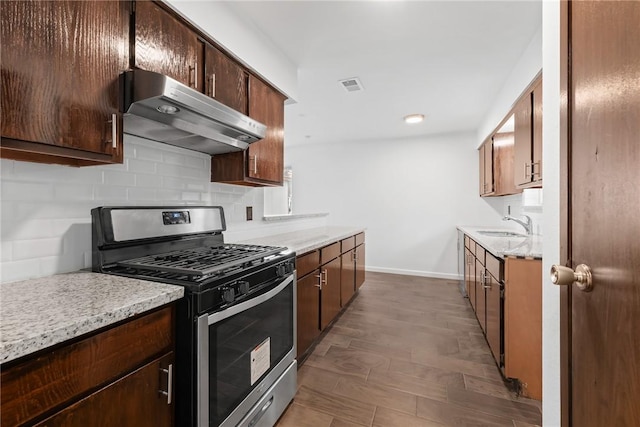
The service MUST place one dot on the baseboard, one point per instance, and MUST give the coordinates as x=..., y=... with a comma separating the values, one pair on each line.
x=420, y=273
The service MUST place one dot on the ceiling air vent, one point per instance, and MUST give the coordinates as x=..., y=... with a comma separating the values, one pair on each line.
x=351, y=85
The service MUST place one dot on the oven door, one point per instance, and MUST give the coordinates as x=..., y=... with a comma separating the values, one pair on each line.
x=242, y=351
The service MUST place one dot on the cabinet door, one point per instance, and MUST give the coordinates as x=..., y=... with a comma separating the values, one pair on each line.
x=480, y=296
x=266, y=157
x=360, y=271
x=486, y=167
x=523, y=133
x=537, y=133
x=494, y=315
x=469, y=276
x=347, y=277
x=225, y=80
x=167, y=46
x=503, y=144
x=134, y=400
x=330, y=293
x=60, y=66
x=308, y=299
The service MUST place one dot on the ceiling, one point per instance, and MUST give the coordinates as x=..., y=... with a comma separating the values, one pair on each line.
x=444, y=59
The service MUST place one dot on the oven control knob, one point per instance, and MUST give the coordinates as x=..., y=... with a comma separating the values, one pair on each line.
x=228, y=294
x=243, y=287
x=281, y=270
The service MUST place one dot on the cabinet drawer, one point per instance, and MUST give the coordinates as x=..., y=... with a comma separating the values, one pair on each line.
x=495, y=267
x=479, y=252
x=308, y=262
x=359, y=239
x=39, y=384
x=329, y=252
x=348, y=244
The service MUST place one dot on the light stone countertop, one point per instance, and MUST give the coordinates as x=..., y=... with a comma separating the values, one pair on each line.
x=288, y=217
x=306, y=240
x=38, y=313
x=521, y=246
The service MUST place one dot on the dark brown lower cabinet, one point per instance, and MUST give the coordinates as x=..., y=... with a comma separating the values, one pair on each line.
x=348, y=277
x=469, y=276
x=360, y=273
x=308, y=312
x=133, y=400
x=110, y=378
x=493, y=328
x=481, y=306
x=330, y=292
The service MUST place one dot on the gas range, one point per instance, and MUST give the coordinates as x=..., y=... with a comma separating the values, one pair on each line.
x=236, y=325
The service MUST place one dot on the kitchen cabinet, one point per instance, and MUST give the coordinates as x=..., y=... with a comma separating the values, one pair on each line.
x=327, y=279
x=486, y=167
x=224, y=79
x=528, y=138
x=60, y=80
x=359, y=256
x=484, y=280
x=348, y=270
x=523, y=324
x=119, y=376
x=308, y=309
x=165, y=45
x=503, y=147
x=262, y=164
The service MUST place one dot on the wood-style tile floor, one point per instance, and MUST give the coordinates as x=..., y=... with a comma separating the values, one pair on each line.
x=407, y=352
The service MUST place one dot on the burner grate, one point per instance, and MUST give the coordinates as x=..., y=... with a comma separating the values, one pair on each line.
x=204, y=261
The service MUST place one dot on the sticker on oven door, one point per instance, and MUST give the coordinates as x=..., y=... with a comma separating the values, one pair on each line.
x=260, y=360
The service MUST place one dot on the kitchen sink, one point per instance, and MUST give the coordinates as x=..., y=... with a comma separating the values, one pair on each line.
x=493, y=233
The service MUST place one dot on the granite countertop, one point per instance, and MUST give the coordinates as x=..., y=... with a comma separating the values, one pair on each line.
x=306, y=240
x=38, y=313
x=520, y=246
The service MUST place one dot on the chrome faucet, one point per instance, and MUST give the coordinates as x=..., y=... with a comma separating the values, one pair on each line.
x=527, y=225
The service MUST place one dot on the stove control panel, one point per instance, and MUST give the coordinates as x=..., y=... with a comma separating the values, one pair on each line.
x=176, y=217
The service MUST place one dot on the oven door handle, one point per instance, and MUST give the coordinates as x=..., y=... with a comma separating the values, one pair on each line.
x=239, y=308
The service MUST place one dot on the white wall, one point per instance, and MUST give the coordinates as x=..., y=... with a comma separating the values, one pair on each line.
x=45, y=222
x=245, y=41
x=523, y=73
x=409, y=194
x=551, y=249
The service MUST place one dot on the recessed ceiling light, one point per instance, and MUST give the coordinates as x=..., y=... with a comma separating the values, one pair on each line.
x=414, y=118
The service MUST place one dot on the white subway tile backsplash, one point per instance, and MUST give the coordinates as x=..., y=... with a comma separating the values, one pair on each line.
x=26, y=229
x=105, y=192
x=141, y=166
x=115, y=177
x=6, y=251
x=197, y=162
x=141, y=194
x=6, y=167
x=174, y=158
x=153, y=181
x=12, y=191
x=73, y=192
x=37, y=248
x=20, y=270
x=190, y=196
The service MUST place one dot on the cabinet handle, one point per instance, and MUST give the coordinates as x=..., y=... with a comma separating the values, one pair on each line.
x=194, y=69
x=486, y=281
x=324, y=272
x=319, y=285
x=212, y=85
x=169, y=392
x=533, y=172
x=255, y=164
x=114, y=130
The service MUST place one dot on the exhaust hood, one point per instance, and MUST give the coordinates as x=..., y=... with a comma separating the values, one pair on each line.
x=159, y=108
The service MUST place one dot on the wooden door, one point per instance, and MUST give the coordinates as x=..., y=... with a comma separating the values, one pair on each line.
x=523, y=122
x=330, y=293
x=266, y=157
x=167, y=46
x=604, y=220
x=225, y=80
x=347, y=277
x=60, y=66
x=308, y=319
x=480, y=297
x=134, y=400
x=360, y=270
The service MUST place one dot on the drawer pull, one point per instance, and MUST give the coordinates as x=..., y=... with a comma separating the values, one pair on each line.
x=169, y=392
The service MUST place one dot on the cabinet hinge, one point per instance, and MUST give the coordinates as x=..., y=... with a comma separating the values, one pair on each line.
x=502, y=293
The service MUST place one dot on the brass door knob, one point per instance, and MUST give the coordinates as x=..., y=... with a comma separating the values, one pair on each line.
x=564, y=276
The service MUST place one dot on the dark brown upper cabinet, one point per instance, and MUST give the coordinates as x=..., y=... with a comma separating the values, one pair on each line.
x=60, y=66
x=262, y=164
x=165, y=45
x=528, y=138
x=485, y=167
x=225, y=80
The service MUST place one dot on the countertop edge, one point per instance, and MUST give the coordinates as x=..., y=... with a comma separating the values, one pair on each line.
x=13, y=350
x=530, y=247
x=288, y=217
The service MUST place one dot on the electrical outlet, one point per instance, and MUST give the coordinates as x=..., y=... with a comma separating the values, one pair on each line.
x=249, y=213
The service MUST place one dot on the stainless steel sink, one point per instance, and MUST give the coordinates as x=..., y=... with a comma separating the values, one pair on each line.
x=493, y=233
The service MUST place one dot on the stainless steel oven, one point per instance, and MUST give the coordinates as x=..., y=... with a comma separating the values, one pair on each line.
x=246, y=355
x=235, y=328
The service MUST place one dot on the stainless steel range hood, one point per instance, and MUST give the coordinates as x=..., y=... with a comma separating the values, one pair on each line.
x=159, y=108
